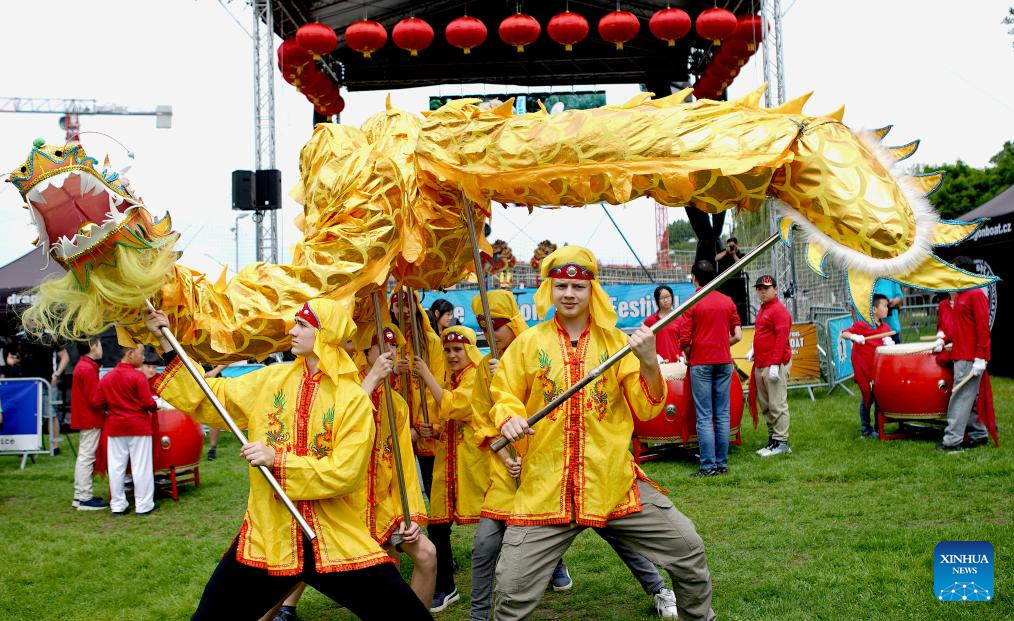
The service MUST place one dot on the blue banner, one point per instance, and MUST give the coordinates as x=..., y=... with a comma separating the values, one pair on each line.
x=840, y=348
x=633, y=303
x=22, y=415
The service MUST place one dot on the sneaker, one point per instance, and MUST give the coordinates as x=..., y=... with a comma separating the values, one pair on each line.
x=561, y=578
x=286, y=613
x=442, y=600
x=148, y=512
x=765, y=450
x=121, y=513
x=975, y=443
x=957, y=448
x=703, y=473
x=56, y=451
x=871, y=435
x=721, y=470
x=212, y=456
x=782, y=448
x=665, y=604
x=92, y=504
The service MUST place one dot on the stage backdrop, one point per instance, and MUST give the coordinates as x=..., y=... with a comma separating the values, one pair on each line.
x=805, y=369
x=633, y=303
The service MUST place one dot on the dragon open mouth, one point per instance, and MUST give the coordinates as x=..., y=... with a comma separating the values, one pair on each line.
x=71, y=208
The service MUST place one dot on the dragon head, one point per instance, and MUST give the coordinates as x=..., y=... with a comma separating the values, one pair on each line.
x=82, y=214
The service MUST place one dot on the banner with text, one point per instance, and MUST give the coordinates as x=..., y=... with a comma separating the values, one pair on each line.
x=805, y=356
x=21, y=402
x=633, y=303
x=840, y=349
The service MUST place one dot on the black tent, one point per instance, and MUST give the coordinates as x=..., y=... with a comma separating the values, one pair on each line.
x=16, y=279
x=990, y=248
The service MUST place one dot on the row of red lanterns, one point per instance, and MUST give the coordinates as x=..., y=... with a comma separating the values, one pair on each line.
x=726, y=63
x=568, y=29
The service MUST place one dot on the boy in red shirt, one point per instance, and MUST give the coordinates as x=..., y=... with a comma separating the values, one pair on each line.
x=865, y=343
x=772, y=358
x=970, y=345
x=709, y=328
x=87, y=414
x=128, y=428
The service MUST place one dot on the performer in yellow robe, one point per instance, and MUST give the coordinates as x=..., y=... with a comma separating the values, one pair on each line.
x=310, y=422
x=460, y=476
x=578, y=470
x=507, y=324
x=427, y=444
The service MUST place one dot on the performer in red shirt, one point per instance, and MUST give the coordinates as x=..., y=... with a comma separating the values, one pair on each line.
x=772, y=358
x=709, y=328
x=970, y=350
x=667, y=339
x=128, y=427
x=865, y=343
x=87, y=413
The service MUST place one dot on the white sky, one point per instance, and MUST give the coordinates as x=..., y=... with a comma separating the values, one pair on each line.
x=939, y=71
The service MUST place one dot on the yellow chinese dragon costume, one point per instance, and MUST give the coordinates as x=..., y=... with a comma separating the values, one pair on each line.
x=389, y=200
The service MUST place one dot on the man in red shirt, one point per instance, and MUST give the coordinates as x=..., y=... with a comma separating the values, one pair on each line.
x=128, y=428
x=709, y=328
x=865, y=343
x=970, y=352
x=772, y=358
x=87, y=413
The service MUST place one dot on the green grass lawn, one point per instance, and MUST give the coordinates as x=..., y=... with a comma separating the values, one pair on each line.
x=840, y=529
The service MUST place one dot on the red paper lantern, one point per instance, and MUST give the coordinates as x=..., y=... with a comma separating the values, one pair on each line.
x=669, y=25
x=619, y=27
x=738, y=49
x=330, y=105
x=727, y=62
x=465, y=33
x=366, y=37
x=412, y=34
x=567, y=29
x=716, y=24
x=315, y=83
x=317, y=39
x=293, y=60
x=520, y=30
x=750, y=30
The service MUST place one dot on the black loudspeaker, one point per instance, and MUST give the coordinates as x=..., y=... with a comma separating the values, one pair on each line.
x=243, y=190
x=269, y=189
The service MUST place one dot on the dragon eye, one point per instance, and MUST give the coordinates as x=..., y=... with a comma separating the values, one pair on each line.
x=24, y=169
x=58, y=154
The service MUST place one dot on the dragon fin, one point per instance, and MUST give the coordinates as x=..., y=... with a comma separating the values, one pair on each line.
x=815, y=255
x=928, y=183
x=785, y=230
x=753, y=98
x=793, y=106
x=860, y=285
x=948, y=233
x=838, y=114
x=904, y=151
x=879, y=133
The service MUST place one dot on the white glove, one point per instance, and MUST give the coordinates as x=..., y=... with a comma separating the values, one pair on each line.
x=938, y=345
x=858, y=339
x=888, y=340
x=773, y=372
x=978, y=367
x=749, y=355
x=941, y=335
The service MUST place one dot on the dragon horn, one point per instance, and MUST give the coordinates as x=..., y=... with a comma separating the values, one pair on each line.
x=793, y=106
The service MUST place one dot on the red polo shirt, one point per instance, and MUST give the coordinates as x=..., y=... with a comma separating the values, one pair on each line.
x=771, y=335
x=87, y=409
x=129, y=400
x=667, y=339
x=706, y=328
x=970, y=323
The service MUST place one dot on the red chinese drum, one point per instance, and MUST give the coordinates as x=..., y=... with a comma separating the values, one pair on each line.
x=176, y=440
x=678, y=422
x=909, y=383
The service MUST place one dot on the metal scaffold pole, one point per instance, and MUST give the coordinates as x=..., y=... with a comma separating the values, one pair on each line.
x=264, y=121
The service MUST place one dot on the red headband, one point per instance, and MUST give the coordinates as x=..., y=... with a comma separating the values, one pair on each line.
x=498, y=322
x=389, y=338
x=306, y=314
x=456, y=337
x=571, y=271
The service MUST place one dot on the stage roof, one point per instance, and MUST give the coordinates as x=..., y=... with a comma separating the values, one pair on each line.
x=1001, y=204
x=645, y=60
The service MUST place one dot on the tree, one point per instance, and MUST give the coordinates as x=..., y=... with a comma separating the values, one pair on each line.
x=965, y=187
x=680, y=232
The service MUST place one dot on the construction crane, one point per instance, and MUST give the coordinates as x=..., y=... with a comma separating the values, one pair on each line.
x=73, y=109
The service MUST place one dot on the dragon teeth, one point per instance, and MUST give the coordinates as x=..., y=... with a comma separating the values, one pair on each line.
x=35, y=196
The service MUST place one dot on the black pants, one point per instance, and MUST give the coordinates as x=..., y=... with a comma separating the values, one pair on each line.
x=426, y=472
x=237, y=591
x=440, y=535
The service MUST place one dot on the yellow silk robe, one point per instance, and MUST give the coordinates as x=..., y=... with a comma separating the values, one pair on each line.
x=461, y=469
x=498, y=498
x=384, y=513
x=579, y=458
x=435, y=361
x=322, y=432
